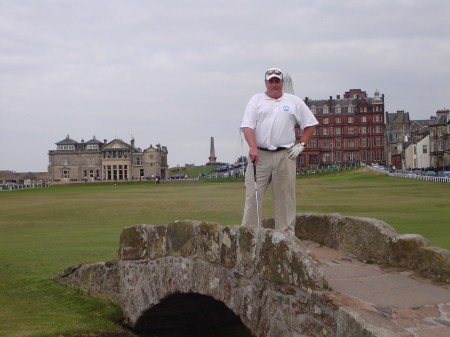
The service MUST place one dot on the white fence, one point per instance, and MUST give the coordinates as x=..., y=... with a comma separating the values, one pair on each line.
x=419, y=177
x=15, y=187
x=412, y=176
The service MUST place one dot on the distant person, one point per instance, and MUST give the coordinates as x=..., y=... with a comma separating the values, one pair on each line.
x=268, y=126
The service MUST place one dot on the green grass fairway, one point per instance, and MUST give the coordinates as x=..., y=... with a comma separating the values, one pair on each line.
x=44, y=231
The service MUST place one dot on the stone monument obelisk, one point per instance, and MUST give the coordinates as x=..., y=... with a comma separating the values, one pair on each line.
x=212, y=155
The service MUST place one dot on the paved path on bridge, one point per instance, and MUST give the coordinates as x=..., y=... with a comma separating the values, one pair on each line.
x=392, y=299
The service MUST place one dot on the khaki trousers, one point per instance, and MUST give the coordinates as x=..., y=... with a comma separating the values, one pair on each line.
x=276, y=168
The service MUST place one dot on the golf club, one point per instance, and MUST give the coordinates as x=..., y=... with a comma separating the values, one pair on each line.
x=256, y=193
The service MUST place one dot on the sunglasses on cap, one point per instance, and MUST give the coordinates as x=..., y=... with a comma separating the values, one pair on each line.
x=274, y=72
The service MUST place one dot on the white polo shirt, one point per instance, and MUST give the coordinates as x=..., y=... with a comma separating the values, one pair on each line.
x=273, y=120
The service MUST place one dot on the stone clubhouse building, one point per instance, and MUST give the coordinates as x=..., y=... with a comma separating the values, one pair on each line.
x=95, y=160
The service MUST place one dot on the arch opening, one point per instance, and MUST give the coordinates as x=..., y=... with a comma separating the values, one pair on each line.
x=190, y=315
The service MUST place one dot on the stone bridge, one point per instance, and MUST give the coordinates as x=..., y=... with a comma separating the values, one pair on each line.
x=268, y=280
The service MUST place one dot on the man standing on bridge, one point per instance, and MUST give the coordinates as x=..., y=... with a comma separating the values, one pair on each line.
x=269, y=129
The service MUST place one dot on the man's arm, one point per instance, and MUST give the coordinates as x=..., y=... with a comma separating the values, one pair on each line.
x=251, y=141
x=307, y=134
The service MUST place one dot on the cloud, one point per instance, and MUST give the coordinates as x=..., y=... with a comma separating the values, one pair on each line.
x=178, y=73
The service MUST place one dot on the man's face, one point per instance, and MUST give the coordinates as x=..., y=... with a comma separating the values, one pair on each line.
x=274, y=87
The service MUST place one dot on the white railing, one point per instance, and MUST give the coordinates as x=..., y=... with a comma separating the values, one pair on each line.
x=412, y=175
x=421, y=177
x=15, y=187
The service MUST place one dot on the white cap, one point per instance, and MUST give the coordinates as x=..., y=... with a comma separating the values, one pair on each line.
x=274, y=72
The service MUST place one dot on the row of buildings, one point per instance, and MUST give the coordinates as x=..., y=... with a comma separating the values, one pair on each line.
x=352, y=129
x=418, y=144
x=355, y=128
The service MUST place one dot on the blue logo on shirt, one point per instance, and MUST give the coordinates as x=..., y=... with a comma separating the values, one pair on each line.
x=286, y=108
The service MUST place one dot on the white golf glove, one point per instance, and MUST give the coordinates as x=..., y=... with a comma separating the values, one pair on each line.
x=294, y=151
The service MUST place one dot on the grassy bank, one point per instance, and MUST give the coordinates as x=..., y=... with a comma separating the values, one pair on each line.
x=44, y=231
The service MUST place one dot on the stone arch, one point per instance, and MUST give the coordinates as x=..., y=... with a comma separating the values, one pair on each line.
x=265, y=277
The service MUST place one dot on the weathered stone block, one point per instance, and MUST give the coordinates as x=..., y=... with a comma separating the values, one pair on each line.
x=366, y=238
x=246, y=252
x=156, y=241
x=319, y=228
x=208, y=247
x=133, y=243
x=181, y=238
x=228, y=247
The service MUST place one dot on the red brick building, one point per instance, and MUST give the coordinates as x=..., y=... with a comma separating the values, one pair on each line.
x=351, y=130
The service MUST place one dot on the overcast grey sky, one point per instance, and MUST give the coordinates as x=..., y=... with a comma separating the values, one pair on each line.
x=179, y=72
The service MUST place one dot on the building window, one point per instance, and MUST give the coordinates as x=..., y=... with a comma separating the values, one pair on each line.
x=338, y=109
x=364, y=142
x=364, y=156
x=363, y=119
x=378, y=156
x=350, y=120
x=351, y=131
x=326, y=157
x=377, y=118
x=338, y=120
x=325, y=109
x=314, y=109
x=326, y=144
x=326, y=121
x=338, y=131
x=351, y=142
x=424, y=149
x=351, y=156
x=363, y=130
x=325, y=131
x=65, y=147
x=301, y=159
x=350, y=108
x=314, y=159
x=338, y=143
x=65, y=174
